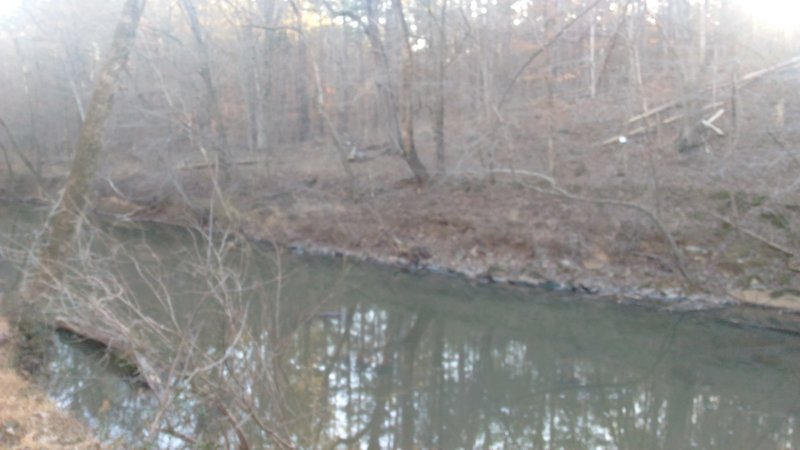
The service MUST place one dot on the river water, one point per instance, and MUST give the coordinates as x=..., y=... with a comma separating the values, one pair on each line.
x=352, y=356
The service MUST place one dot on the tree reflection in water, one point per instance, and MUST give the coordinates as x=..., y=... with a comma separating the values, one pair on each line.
x=392, y=361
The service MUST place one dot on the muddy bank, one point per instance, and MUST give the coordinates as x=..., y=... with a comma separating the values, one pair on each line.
x=500, y=232
x=777, y=313
x=29, y=419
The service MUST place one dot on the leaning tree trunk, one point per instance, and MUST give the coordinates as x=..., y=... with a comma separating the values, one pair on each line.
x=33, y=331
x=90, y=139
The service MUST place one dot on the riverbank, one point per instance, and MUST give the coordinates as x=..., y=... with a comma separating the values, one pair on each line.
x=515, y=229
x=29, y=419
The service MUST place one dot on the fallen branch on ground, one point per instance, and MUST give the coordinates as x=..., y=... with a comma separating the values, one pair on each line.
x=207, y=164
x=644, y=128
x=742, y=82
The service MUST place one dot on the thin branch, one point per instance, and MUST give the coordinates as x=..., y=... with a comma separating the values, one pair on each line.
x=541, y=50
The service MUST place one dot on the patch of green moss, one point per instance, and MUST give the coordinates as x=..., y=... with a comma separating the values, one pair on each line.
x=776, y=220
x=784, y=279
x=792, y=207
x=757, y=200
x=744, y=201
x=719, y=196
x=722, y=230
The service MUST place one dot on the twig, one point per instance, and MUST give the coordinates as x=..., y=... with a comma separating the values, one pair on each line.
x=243, y=443
x=541, y=50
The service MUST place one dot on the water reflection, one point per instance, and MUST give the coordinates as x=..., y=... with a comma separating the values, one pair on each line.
x=392, y=361
x=344, y=356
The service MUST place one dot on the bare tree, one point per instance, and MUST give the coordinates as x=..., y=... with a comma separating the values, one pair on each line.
x=90, y=142
x=212, y=97
x=441, y=80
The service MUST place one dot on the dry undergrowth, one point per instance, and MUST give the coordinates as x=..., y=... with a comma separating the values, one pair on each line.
x=28, y=418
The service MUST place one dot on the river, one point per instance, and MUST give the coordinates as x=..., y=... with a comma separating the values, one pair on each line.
x=332, y=354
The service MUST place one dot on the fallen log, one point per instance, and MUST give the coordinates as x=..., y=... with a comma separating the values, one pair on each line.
x=118, y=346
x=206, y=165
x=741, y=82
x=644, y=128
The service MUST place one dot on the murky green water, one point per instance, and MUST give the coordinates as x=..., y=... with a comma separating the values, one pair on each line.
x=358, y=357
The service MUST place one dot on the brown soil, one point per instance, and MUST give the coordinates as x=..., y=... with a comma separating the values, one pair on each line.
x=28, y=418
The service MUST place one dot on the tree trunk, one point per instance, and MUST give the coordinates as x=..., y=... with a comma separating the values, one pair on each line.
x=221, y=144
x=301, y=81
x=439, y=107
x=90, y=140
x=405, y=96
x=34, y=332
x=592, y=55
x=253, y=90
x=693, y=134
x=400, y=114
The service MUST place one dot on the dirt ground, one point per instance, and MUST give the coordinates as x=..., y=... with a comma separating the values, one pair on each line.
x=28, y=418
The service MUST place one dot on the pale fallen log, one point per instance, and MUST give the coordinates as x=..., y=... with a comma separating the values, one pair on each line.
x=206, y=164
x=118, y=346
x=743, y=81
x=644, y=128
